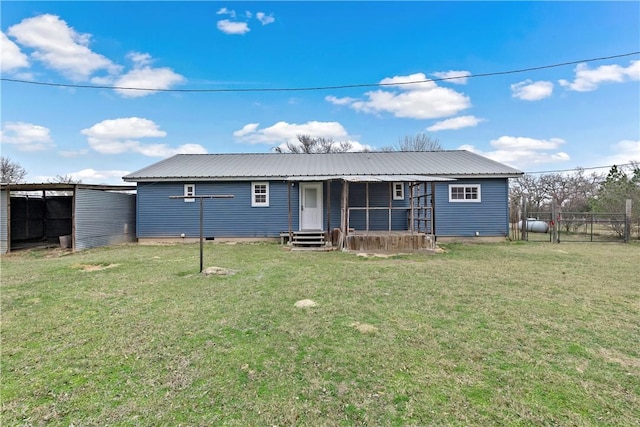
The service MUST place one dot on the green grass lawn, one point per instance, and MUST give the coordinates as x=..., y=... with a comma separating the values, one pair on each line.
x=497, y=334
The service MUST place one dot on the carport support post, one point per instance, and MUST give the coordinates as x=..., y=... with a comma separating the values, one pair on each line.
x=627, y=220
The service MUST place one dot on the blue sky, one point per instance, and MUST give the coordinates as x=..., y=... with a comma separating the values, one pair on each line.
x=585, y=114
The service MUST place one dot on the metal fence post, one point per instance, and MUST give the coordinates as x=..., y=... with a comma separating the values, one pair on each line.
x=524, y=220
x=554, y=221
x=627, y=221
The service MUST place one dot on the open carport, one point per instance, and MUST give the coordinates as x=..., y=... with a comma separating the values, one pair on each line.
x=77, y=216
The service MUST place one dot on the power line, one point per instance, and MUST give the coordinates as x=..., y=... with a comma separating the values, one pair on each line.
x=579, y=168
x=318, y=88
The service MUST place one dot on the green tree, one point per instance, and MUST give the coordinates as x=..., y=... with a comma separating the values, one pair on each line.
x=619, y=185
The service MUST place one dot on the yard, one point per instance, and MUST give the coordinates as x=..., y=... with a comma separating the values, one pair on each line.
x=499, y=334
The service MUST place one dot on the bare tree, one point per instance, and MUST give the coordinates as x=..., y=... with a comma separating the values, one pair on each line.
x=65, y=179
x=419, y=142
x=573, y=193
x=12, y=172
x=312, y=145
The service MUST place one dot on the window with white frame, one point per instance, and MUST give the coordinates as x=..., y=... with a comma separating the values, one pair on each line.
x=464, y=193
x=260, y=194
x=398, y=191
x=189, y=190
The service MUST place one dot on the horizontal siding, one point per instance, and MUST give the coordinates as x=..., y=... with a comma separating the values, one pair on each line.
x=4, y=225
x=489, y=217
x=158, y=216
x=336, y=203
x=104, y=218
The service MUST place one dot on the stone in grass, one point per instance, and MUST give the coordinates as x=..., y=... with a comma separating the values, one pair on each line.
x=305, y=303
x=218, y=271
x=364, y=328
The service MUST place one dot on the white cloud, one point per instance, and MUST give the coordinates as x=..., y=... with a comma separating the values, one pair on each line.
x=237, y=26
x=518, y=143
x=142, y=76
x=264, y=18
x=523, y=152
x=283, y=132
x=131, y=127
x=73, y=153
x=163, y=150
x=140, y=59
x=456, y=123
x=423, y=100
x=411, y=82
x=60, y=47
x=232, y=27
x=588, y=79
x=225, y=11
x=340, y=101
x=12, y=58
x=91, y=176
x=457, y=77
x=26, y=136
x=246, y=130
x=623, y=152
x=529, y=90
x=121, y=136
x=147, y=78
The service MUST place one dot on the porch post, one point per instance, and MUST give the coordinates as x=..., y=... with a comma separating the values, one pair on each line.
x=433, y=208
x=329, y=207
x=345, y=210
x=289, y=207
x=411, y=203
x=390, y=203
x=367, y=206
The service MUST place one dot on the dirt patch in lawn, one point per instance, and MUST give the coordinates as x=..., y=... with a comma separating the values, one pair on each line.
x=619, y=358
x=218, y=271
x=305, y=303
x=364, y=328
x=95, y=267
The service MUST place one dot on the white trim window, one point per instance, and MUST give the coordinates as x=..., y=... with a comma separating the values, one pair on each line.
x=469, y=193
x=260, y=194
x=189, y=190
x=398, y=191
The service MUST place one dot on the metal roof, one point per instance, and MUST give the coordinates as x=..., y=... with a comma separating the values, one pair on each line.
x=243, y=166
x=60, y=186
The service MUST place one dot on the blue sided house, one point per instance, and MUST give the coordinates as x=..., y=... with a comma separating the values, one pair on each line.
x=361, y=201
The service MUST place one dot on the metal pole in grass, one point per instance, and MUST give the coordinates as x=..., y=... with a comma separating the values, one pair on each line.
x=627, y=220
x=209, y=196
x=555, y=218
x=524, y=235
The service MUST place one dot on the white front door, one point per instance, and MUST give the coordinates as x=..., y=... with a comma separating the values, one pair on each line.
x=310, y=206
